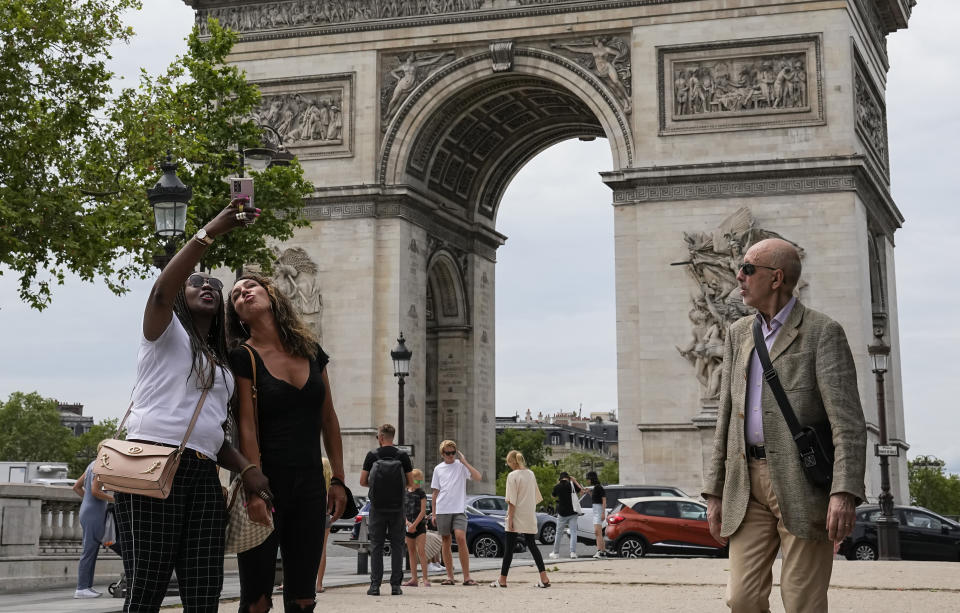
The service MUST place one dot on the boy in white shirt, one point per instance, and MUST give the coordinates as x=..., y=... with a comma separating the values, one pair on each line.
x=449, y=484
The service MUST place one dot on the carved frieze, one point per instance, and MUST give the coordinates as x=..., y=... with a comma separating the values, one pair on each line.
x=871, y=116
x=740, y=85
x=400, y=75
x=296, y=275
x=608, y=58
x=313, y=115
x=713, y=259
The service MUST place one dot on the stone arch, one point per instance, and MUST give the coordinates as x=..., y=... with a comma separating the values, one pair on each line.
x=463, y=133
x=445, y=288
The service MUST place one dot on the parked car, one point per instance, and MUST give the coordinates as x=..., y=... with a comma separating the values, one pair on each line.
x=497, y=505
x=616, y=493
x=924, y=535
x=656, y=524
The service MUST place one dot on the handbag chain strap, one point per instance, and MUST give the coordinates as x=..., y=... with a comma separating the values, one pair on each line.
x=773, y=380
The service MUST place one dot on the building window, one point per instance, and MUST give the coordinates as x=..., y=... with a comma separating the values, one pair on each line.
x=555, y=438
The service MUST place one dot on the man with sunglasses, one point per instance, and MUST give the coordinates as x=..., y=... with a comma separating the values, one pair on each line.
x=757, y=494
x=449, y=484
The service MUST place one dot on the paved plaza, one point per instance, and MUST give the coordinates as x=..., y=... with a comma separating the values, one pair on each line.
x=647, y=584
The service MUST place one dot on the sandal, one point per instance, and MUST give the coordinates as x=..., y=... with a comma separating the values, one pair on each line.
x=448, y=582
x=541, y=584
x=496, y=583
x=321, y=590
x=424, y=583
x=470, y=582
x=411, y=583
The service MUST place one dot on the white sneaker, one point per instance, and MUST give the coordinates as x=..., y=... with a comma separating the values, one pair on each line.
x=87, y=593
x=553, y=556
x=598, y=555
x=433, y=567
x=573, y=555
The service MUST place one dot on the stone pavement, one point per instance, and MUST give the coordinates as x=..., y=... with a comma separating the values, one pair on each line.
x=648, y=584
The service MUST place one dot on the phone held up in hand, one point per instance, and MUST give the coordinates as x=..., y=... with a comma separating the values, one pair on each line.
x=241, y=187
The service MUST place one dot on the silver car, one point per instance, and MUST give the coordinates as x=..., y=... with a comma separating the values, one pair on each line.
x=497, y=505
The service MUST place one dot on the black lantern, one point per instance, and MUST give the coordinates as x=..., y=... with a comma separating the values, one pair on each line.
x=401, y=368
x=879, y=352
x=401, y=358
x=169, y=199
x=271, y=151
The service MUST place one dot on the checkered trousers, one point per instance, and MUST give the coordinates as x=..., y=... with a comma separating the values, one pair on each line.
x=185, y=533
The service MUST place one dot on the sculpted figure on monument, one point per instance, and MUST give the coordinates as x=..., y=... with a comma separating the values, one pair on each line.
x=611, y=62
x=406, y=76
x=714, y=258
x=304, y=118
x=740, y=84
x=296, y=276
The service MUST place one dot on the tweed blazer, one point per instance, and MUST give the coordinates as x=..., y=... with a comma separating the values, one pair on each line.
x=818, y=374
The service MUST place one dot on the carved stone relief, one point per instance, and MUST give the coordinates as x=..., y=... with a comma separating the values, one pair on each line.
x=313, y=115
x=296, y=275
x=871, y=116
x=740, y=85
x=400, y=75
x=501, y=55
x=714, y=258
x=608, y=58
x=285, y=18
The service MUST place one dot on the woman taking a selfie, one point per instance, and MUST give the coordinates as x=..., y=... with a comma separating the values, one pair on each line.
x=183, y=356
x=281, y=425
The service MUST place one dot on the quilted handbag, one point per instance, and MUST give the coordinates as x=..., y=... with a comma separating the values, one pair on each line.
x=242, y=532
x=141, y=468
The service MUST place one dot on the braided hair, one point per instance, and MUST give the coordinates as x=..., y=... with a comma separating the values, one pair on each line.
x=213, y=349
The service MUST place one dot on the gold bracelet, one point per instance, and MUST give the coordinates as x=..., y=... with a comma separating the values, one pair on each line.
x=246, y=468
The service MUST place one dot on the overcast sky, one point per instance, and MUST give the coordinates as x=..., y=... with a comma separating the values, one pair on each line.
x=554, y=297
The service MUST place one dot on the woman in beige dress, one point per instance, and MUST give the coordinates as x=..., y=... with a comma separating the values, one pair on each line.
x=522, y=498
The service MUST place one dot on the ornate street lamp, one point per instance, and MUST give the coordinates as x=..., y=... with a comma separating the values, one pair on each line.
x=401, y=368
x=888, y=528
x=271, y=152
x=169, y=199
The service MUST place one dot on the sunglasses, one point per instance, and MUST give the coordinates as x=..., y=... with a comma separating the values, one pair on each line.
x=200, y=281
x=748, y=269
x=454, y=452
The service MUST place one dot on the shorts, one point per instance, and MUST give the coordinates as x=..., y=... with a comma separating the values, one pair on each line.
x=448, y=522
x=597, y=514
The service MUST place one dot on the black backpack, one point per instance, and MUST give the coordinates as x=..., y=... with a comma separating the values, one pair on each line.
x=387, y=482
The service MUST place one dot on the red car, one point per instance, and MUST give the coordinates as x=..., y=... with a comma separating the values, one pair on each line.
x=638, y=526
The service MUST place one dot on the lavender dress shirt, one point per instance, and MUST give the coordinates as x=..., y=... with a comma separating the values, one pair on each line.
x=753, y=423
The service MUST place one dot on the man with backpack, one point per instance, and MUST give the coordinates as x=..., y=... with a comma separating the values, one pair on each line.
x=387, y=474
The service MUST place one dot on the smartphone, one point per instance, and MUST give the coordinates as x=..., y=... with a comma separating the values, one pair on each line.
x=241, y=187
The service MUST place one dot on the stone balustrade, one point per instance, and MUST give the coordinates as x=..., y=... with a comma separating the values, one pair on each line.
x=40, y=538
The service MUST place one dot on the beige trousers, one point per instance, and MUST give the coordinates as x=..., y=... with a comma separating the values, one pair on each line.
x=807, y=564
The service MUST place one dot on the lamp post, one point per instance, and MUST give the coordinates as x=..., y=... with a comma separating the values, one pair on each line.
x=271, y=152
x=888, y=528
x=401, y=368
x=169, y=199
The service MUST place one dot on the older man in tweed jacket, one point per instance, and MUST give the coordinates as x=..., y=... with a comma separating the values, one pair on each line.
x=756, y=491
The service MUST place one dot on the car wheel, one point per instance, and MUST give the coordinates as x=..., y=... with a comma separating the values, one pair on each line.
x=864, y=551
x=632, y=546
x=386, y=550
x=548, y=533
x=486, y=546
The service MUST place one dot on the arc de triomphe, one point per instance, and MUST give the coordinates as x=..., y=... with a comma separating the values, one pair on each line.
x=728, y=120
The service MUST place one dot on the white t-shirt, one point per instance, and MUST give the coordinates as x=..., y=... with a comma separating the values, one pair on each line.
x=451, y=480
x=165, y=397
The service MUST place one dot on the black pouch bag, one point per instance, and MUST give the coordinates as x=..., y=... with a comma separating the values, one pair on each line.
x=815, y=443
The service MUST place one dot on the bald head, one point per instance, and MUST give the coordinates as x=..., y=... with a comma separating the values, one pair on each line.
x=778, y=253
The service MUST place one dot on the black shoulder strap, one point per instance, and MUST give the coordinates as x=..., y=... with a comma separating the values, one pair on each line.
x=773, y=380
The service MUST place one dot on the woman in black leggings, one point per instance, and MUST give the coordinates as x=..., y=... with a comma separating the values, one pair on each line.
x=293, y=411
x=522, y=498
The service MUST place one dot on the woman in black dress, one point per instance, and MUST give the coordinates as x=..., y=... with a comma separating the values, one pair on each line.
x=294, y=410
